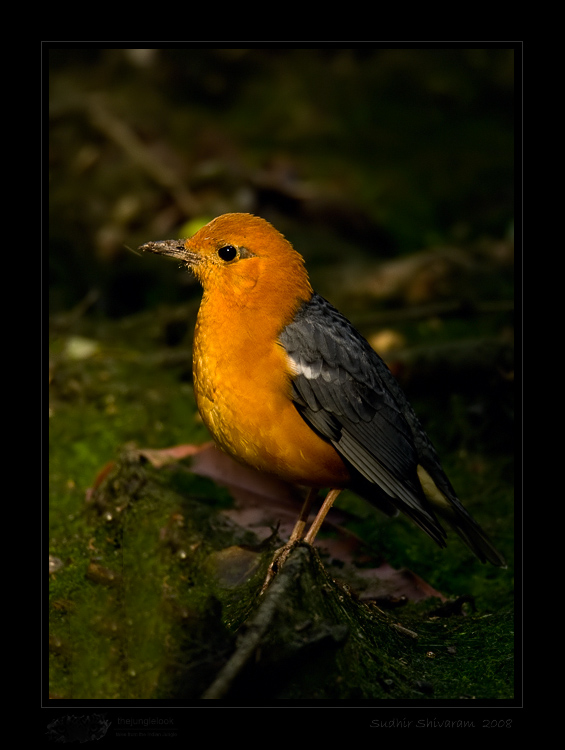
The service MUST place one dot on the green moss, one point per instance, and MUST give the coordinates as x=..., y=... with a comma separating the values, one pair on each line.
x=463, y=656
x=147, y=600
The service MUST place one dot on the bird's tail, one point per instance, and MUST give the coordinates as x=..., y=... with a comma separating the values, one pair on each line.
x=451, y=511
x=476, y=539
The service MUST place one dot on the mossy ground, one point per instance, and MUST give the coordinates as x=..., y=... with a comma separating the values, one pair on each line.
x=137, y=610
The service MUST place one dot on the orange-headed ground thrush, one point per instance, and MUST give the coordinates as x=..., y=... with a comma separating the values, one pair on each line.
x=286, y=384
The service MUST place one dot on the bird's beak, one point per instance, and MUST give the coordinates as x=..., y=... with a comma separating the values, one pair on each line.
x=174, y=248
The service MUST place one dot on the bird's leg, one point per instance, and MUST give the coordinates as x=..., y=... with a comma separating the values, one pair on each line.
x=298, y=531
x=297, y=534
x=322, y=513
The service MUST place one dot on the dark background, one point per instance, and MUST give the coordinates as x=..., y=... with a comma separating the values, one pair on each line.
x=369, y=151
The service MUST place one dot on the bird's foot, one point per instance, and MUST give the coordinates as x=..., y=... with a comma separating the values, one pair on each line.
x=279, y=559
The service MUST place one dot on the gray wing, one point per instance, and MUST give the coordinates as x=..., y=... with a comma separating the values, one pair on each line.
x=346, y=393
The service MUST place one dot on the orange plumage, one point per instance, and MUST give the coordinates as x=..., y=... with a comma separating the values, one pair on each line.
x=241, y=373
x=286, y=384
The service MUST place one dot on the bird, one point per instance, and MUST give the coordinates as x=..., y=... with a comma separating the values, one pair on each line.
x=287, y=385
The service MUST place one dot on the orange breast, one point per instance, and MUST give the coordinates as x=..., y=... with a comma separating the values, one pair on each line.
x=242, y=390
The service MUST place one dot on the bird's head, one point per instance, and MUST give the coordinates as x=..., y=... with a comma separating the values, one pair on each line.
x=242, y=258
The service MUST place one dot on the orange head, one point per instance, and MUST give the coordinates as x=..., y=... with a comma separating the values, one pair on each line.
x=242, y=260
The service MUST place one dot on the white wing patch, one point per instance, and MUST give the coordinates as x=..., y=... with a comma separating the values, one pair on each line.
x=300, y=367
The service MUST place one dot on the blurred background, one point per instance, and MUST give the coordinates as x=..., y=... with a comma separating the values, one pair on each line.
x=359, y=155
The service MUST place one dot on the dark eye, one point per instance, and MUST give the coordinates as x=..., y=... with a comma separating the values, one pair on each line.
x=227, y=253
